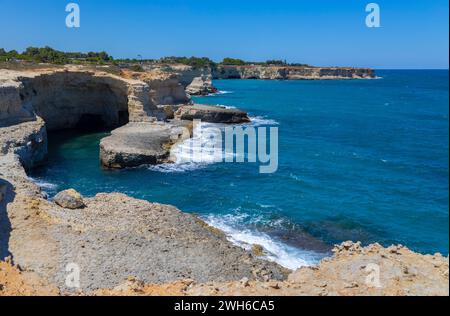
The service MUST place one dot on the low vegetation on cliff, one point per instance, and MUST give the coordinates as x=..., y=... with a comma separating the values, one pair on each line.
x=53, y=56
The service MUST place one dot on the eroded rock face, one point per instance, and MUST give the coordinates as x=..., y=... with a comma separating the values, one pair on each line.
x=211, y=114
x=201, y=86
x=27, y=141
x=66, y=97
x=165, y=87
x=70, y=199
x=138, y=144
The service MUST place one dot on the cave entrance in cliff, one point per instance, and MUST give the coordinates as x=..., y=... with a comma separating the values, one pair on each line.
x=91, y=123
x=124, y=117
x=78, y=100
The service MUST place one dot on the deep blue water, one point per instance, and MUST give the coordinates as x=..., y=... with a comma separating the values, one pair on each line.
x=360, y=160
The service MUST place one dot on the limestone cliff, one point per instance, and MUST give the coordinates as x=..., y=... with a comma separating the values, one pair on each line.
x=66, y=97
x=290, y=72
x=166, y=88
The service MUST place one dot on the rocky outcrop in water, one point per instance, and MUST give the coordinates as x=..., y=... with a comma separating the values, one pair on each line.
x=211, y=114
x=137, y=144
x=201, y=86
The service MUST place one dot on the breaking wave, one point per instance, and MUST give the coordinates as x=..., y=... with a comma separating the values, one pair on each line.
x=275, y=250
x=257, y=121
x=44, y=184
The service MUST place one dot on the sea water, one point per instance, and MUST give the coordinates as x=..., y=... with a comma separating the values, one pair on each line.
x=361, y=160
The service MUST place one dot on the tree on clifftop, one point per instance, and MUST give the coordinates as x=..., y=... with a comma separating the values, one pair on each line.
x=233, y=61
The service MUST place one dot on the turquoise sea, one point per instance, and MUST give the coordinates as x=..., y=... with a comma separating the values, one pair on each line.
x=363, y=160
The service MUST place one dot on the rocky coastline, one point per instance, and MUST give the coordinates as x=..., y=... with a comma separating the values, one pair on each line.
x=126, y=246
x=291, y=73
x=198, y=81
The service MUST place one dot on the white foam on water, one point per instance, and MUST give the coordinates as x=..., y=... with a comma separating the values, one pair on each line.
x=199, y=152
x=295, y=177
x=43, y=184
x=176, y=167
x=285, y=255
x=257, y=121
x=220, y=92
x=195, y=153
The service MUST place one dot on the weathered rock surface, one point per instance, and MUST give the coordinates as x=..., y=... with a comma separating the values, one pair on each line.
x=70, y=199
x=350, y=272
x=137, y=144
x=201, y=86
x=27, y=141
x=211, y=114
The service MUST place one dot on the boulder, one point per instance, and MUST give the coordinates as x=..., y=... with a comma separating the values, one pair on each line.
x=70, y=199
x=211, y=114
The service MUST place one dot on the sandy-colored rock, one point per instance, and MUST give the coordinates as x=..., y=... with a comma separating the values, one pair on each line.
x=14, y=282
x=201, y=86
x=70, y=199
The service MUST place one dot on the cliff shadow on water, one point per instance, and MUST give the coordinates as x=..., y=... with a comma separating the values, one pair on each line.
x=7, y=195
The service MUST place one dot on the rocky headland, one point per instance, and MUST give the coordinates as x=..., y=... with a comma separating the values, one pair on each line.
x=125, y=246
x=291, y=72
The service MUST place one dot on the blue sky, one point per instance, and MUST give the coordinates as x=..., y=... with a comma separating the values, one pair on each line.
x=413, y=34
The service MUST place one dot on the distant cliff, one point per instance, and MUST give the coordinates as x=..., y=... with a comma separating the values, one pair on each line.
x=290, y=72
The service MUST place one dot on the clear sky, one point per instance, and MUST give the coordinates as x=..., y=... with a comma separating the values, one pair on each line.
x=413, y=34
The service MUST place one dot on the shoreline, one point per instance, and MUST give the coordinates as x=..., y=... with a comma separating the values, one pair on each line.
x=42, y=236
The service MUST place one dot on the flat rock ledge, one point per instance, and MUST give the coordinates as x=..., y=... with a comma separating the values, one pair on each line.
x=138, y=144
x=212, y=114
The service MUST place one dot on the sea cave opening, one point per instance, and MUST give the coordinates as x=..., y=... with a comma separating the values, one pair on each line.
x=78, y=101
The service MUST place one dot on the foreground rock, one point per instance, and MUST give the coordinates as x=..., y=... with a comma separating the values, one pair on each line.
x=70, y=199
x=137, y=144
x=350, y=272
x=211, y=114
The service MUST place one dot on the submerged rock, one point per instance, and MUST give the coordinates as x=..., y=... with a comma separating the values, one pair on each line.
x=211, y=114
x=70, y=199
